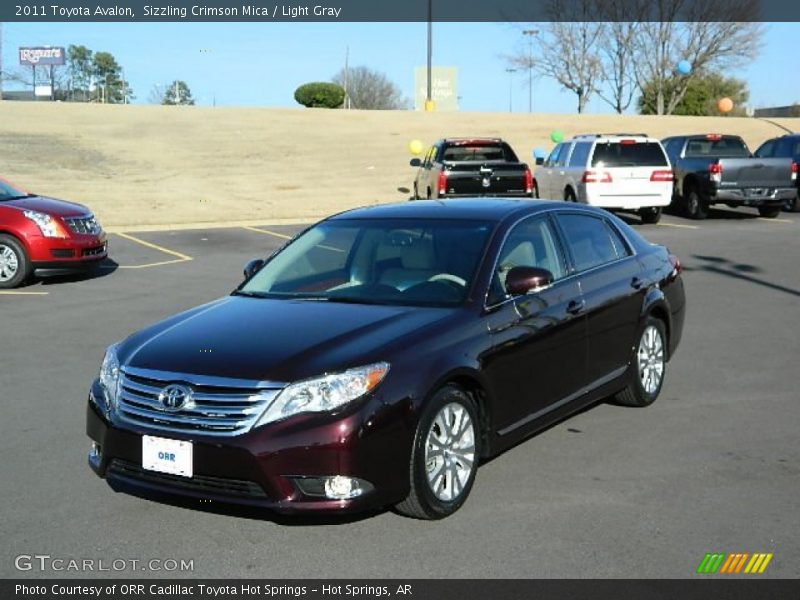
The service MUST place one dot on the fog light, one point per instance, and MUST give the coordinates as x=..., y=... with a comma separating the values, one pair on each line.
x=95, y=454
x=341, y=488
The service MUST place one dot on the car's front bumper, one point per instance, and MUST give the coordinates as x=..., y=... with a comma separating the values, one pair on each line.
x=261, y=468
x=73, y=252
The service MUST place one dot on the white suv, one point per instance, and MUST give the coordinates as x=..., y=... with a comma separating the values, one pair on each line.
x=615, y=171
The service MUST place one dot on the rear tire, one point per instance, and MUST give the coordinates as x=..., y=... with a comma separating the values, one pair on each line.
x=535, y=191
x=769, y=212
x=650, y=215
x=444, y=457
x=648, y=366
x=15, y=266
x=793, y=205
x=695, y=206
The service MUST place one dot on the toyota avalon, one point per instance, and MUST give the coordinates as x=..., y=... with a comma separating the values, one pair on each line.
x=380, y=356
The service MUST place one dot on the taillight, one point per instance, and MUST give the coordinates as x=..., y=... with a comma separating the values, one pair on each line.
x=714, y=137
x=795, y=168
x=661, y=175
x=529, y=181
x=627, y=142
x=715, y=172
x=442, y=183
x=677, y=267
x=596, y=177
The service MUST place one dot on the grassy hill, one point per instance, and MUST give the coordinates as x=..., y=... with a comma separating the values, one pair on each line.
x=159, y=165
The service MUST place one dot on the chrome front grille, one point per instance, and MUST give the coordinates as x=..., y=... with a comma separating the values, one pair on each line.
x=222, y=407
x=83, y=225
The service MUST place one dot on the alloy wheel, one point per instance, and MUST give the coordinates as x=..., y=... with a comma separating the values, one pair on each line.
x=9, y=263
x=651, y=359
x=450, y=452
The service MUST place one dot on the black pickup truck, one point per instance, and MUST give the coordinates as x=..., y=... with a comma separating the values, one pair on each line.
x=456, y=167
x=719, y=169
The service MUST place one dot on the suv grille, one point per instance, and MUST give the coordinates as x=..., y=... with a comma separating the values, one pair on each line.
x=83, y=225
x=214, y=409
x=198, y=483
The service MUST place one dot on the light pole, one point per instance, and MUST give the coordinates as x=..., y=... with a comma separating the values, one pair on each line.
x=530, y=33
x=429, y=94
x=510, y=72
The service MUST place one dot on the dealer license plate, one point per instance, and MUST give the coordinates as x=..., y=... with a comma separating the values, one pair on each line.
x=167, y=456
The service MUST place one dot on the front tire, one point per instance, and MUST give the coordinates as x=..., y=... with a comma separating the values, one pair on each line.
x=650, y=215
x=535, y=191
x=15, y=267
x=648, y=366
x=569, y=195
x=444, y=458
x=769, y=212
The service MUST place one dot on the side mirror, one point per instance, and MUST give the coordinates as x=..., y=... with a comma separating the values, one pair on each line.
x=253, y=266
x=522, y=280
x=415, y=162
x=539, y=161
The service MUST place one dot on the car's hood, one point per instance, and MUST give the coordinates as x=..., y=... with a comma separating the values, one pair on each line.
x=273, y=340
x=50, y=206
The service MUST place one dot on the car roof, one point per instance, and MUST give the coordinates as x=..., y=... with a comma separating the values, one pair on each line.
x=485, y=209
x=612, y=136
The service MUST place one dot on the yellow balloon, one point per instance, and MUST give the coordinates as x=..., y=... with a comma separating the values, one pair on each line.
x=415, y=147
x=725, y=105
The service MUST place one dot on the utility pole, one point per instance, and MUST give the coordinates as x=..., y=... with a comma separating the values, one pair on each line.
x=177, y=94
x=429, y=95
x=347, y=78
x=510, y=88
x=1, y=62
x=529, y=33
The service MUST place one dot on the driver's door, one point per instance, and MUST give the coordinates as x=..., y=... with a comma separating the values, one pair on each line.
x=539, y=346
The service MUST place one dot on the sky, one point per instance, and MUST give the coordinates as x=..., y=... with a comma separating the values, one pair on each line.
x=261, y=64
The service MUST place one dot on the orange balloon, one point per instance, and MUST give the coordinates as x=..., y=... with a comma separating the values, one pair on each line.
x=725, y=105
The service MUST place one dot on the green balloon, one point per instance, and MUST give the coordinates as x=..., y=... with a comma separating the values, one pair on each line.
x=557, y=136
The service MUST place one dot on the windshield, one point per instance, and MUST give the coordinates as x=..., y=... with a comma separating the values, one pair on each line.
x=479, y=151
x=414, y=262
x=9, y=192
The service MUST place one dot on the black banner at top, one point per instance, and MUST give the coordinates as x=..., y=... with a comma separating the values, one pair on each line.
x=399, y=10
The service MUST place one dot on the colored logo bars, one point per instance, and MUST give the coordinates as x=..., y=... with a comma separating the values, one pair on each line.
x=734, y=563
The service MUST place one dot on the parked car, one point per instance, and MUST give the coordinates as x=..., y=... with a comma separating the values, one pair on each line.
x=617, y=171
x=719, y=169
x=457, y=167
x=37, y=232
x=787, y=146
x=384, y=352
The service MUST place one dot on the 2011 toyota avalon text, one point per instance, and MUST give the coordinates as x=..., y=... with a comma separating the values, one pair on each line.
x=383, y=353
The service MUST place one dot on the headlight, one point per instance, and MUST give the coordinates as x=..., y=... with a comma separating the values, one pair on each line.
x=46, y=224
x=324, y=393
x=109, y=376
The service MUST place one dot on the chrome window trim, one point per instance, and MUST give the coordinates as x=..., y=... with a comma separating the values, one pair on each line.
x=556, y=211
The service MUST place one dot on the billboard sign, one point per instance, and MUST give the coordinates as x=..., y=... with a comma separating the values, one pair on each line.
x=444, y=88
x=42, y=55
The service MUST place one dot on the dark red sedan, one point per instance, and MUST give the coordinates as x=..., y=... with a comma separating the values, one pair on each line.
x=384, y=353
x=44, y=233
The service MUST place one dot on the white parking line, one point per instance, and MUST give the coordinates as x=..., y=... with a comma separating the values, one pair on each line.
x=678, y=225
x=15, y=293
x=775, y=220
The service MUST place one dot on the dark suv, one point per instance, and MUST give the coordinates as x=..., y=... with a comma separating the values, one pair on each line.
x=384, y=352
x=787, y=146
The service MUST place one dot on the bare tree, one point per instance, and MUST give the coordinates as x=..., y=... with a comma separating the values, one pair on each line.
x=371, y=90
x=569, y=48
x=701, y=32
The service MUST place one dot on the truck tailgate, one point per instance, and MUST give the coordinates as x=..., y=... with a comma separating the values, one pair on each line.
x=485, y=178
x=756, y=173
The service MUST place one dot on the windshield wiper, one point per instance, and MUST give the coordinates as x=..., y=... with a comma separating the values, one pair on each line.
x=248, y=294
x=19, y=197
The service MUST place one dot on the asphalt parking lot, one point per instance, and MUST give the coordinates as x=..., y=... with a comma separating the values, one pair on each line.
x=713, y=466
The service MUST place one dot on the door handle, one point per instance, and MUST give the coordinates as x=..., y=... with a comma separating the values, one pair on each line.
x=636, y=283
x=576, y=306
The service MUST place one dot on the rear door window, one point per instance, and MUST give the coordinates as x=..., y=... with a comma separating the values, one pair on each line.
x=592, y=241
x=629, y=154
x=580, y=154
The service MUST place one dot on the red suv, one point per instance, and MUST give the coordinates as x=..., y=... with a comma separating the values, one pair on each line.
x=44, y=233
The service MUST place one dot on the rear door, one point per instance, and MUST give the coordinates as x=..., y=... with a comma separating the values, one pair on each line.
x=612, y=288
x=538, y=354
x=546, y=174
x=632, y=163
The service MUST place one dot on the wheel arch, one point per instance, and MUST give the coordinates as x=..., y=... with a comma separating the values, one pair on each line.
x=655, y=305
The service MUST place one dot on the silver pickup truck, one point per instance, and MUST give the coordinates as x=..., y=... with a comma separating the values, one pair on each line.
x=720, y=169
